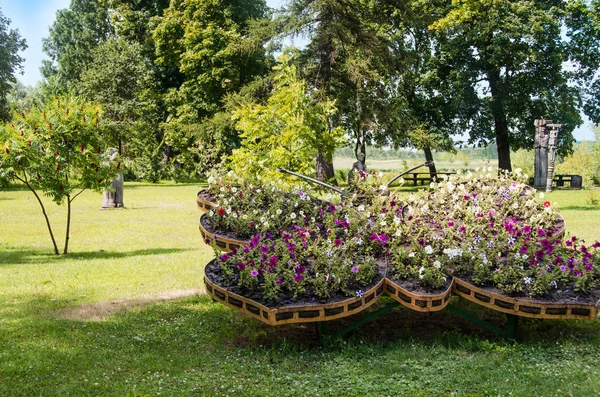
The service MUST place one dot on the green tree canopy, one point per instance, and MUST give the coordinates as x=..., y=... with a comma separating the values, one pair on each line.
x=512, y=55
x=10, y=62
x=288, y=131
x=76, y=31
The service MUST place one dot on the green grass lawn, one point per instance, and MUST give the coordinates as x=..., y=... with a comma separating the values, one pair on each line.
x=124, y=315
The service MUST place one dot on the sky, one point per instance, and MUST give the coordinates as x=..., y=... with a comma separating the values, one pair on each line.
x=33, y=18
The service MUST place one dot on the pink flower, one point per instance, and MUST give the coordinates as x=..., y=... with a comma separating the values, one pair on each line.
x=546, y=204
x=254, y=272
x=354, y=269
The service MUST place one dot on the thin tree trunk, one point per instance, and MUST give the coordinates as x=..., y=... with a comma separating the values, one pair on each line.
x=429, y=157
x=68, y=225
x=43, y=212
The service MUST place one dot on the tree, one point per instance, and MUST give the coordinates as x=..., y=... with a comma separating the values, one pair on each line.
x=10, y=62
x=345, y=61
x=512, y=52
x=121, y=80
x=210, y=44
x=75, y=33
x=288, y=131
x=59, y=149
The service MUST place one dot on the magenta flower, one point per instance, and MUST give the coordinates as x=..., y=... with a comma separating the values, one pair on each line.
x=298, y=278
x=563, y=268
x=523, y=249
x=450, y=223
x=337, y=242
x=273, y=260
x=527, y=229
x=462, y=229
x=254, y=272
x=466, y=197
x=354, y=269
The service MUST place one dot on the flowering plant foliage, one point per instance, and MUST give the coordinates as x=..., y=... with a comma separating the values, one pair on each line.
x=252, y=207
x=490, y=229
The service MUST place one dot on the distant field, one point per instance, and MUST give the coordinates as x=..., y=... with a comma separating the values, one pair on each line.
x=341, y=163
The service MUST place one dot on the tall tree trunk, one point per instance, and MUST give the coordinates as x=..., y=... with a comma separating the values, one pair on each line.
x=324, y=167
x=429, y=157
x=500, y=123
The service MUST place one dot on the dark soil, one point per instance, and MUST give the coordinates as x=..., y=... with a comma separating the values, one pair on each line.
x=205, y=221
x=412, y=285
x=213, y=273
x=206, y=195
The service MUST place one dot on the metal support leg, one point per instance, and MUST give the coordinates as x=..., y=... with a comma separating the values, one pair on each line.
x=510, y=333
x=323, y=329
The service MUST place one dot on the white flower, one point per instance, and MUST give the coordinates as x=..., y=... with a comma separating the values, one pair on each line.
x=382, y=188
x=255, y=212
x=266, y=224
x=245, y=216
x=293, y=215
x=383, y=223
x=411, y=255
x=397, y=220
x=437, y=264
x=234, y=189
x=428, y=250
x=234, y=215
x=211, y=180
x=361, y=208
x=263, y=219
x=518, y=171
x=398, y=233
x=278, y=211
x=542, y=195
x=222, y=189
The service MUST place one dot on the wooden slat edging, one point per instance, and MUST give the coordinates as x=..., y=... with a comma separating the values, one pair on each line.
x=525, y=307
x=297, y=313
x=419, y=302
x=220, y=242
x=204, y=205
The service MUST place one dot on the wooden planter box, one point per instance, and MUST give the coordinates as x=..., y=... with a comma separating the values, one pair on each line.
x=204, y=204
x=420, y=302
x=522, y=306
x=221, y=243
x=310, y=312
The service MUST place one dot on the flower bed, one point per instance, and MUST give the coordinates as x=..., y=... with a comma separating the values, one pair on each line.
x=487, y=232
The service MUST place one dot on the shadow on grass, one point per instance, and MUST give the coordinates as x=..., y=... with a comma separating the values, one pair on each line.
x=193, y=342
x=28, y=256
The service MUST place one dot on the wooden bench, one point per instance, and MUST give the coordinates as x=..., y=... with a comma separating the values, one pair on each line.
x=574, y=181
x=422, y=178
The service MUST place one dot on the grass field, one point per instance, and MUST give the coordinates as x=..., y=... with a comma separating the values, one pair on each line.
x=124, y=314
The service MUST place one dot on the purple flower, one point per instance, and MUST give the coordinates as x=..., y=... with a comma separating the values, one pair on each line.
x=563, y=268
x=224, y=257
x=273, y=260
x=466, y=197
x=337, y=242
x=332, y=208
x=450, y=223
x=241, y=266
x=540, y=232
x=298, y=278
x=279, y=281
x=523, y=249
x=264, y=249
x=527, y=229
x=354, y=269
x=254, y=272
